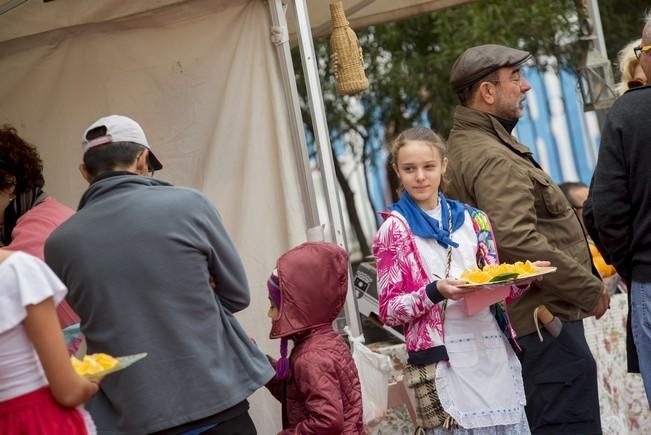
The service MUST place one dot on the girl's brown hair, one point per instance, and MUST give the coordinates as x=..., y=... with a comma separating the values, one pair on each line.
x=419, y=134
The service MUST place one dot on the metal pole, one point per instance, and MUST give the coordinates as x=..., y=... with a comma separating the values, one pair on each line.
x=600, y=43
x=295, y=119
x=322, y=138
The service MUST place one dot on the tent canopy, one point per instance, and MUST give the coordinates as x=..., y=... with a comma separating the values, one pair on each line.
x=24, y=18
x=364, y=13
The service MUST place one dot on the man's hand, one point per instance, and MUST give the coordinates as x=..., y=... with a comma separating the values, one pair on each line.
x=525, y=282
x=541, y=263
x=449, y=290
x=602, y=304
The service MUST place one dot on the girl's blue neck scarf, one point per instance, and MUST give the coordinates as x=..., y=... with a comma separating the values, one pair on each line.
x=423, y=225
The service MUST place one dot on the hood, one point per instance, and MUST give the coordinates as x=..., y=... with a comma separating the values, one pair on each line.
x=113, y=182
x=313, y=280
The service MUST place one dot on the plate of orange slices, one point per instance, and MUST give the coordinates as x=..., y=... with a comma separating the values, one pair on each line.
x=495, y=275
x=98, y=365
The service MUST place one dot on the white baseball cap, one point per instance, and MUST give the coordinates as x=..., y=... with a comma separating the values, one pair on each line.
x=119, y=129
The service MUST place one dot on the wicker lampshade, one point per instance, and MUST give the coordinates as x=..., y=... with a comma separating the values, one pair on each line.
x=346, y=54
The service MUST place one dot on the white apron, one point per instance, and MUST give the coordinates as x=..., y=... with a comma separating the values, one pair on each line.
x=482, y=383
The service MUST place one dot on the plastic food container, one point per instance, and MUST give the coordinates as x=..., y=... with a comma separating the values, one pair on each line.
x=484, y=297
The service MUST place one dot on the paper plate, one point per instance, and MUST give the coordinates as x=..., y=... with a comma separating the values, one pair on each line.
x=516, y=281
x=123, y=363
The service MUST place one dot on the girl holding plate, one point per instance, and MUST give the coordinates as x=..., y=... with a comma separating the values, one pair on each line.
x=464, y=373
x=39, y=390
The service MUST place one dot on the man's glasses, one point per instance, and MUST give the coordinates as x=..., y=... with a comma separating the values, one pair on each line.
x=641, y=49
x=634, y=84
x=516, y=78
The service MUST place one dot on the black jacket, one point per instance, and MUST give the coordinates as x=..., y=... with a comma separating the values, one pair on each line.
x=618, y=211
x=621, y=187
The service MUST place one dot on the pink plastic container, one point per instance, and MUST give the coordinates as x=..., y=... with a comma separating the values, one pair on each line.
x=484, y=297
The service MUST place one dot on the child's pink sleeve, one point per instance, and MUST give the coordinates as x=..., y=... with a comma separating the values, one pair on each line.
x=395, y=264
x=319, y=384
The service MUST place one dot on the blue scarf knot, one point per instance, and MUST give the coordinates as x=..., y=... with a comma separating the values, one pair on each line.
x=424, y=225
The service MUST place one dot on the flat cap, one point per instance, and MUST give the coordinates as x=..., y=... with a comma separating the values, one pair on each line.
x=477, y=62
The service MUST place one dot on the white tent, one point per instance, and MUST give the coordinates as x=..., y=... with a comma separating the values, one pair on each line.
x=29, y=17
x=214, y=95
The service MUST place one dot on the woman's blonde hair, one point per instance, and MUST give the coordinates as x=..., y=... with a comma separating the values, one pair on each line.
x=627, y=63
x=419, y=134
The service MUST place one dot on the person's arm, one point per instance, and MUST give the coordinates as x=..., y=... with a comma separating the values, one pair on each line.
x=398, y=307
x=610, y=200
x=507, y=194
x=42, y=326
x=316, y=378
x=589, y=219
x=275, y=385
x=231, y=286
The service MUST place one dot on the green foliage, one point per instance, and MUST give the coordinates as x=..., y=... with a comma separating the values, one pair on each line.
x=622, y=22
x=408, y=62
x=423, y=49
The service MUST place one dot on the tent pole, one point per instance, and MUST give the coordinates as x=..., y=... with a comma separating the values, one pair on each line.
x=600, y=42
x=326, y=158
x=295, y=119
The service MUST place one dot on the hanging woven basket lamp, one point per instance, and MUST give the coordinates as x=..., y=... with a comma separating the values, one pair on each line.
x=346, y=59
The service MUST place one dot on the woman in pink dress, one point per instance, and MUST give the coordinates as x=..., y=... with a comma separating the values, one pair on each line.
x=27, y=214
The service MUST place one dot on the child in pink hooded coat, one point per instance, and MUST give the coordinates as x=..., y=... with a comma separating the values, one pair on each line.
x=318, y=386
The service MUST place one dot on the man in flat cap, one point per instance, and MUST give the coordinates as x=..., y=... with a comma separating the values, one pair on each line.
x=488, y=168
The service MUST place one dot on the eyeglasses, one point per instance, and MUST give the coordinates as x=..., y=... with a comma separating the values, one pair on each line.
x=641, y=49
x=634, y=84
x=516, y=78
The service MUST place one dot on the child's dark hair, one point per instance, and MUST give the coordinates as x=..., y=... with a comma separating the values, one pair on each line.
x=105, y=158
x=20, y=163
x=567, y=189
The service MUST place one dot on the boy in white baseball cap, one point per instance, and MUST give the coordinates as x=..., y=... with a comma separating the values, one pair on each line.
x=137, y=258
x=118, y=131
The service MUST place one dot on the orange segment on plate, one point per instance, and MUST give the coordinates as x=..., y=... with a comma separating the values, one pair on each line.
x=475, y=276
x=93, y=364
x=526, y=268
x=483, y=276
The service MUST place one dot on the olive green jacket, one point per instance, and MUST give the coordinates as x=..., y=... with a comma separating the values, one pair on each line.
x=531, y=217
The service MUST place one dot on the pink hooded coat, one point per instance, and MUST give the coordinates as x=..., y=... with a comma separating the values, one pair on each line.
x=322, y=394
